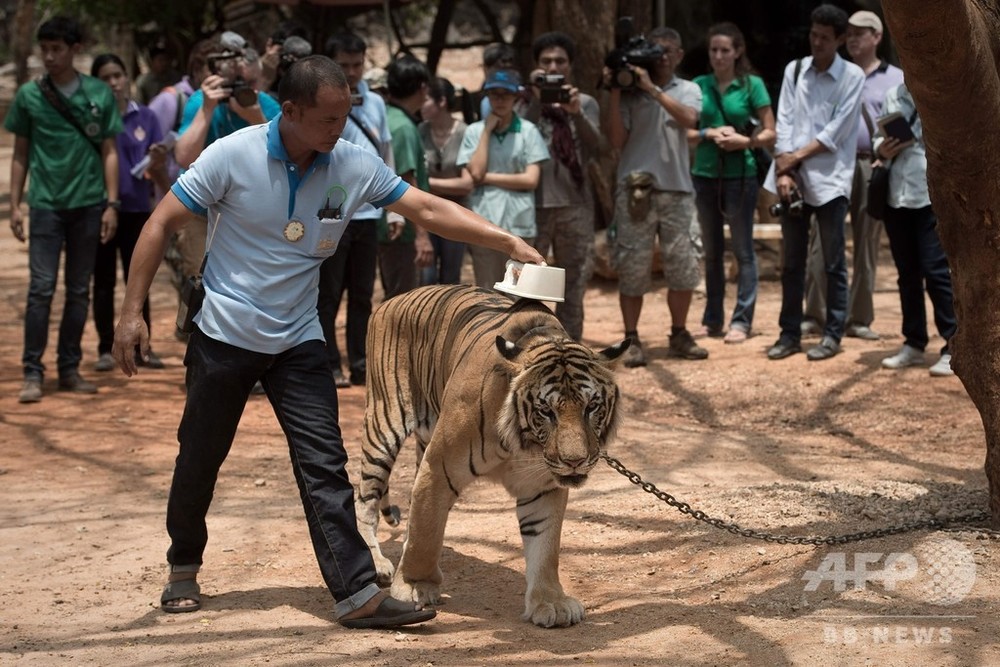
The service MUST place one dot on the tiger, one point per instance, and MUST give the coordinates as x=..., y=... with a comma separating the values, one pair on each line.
x=491, y=387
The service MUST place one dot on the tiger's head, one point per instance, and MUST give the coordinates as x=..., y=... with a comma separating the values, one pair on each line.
x=562, y=401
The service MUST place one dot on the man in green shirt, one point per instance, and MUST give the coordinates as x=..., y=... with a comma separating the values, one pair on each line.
x=65, y=126
x=403, y=247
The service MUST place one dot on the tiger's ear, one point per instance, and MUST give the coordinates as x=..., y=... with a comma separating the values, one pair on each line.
x=615, y=351
x=508, y=350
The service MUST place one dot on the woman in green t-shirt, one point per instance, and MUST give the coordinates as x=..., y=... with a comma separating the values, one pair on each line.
x=736, y=119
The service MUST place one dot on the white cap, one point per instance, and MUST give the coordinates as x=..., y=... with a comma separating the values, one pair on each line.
x=866, y=19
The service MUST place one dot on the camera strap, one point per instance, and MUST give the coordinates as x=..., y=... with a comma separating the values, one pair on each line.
x=208, y=244
x=52, y=96
x=368, y=135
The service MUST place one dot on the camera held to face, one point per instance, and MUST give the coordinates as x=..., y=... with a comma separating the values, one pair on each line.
x=551, y=88
x=630, y=49
x=225, y=64
x=792, y=207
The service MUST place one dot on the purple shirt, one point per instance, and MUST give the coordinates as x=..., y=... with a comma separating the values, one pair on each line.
x=165, y=106
x=141, y=130
x=169, y=109
x=884, y=78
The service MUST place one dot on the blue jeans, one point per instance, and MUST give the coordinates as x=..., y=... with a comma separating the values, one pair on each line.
x=351, y=268
x=795, y=236
x=304, y=398
x=447, y=266
x=920, y=261
x=79, y=229
x=720, y=202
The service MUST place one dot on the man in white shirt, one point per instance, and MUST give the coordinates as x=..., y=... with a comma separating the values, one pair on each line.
x=813, y=173
x=864, y=34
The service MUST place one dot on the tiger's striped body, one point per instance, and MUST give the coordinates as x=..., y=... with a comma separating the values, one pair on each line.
x=491, y=388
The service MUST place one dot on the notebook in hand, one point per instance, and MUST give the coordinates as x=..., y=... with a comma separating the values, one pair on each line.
x=896, y=126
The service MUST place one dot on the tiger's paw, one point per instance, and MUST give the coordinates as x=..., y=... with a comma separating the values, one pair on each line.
x=384, y=569
x=560, y=612
x=421, y=592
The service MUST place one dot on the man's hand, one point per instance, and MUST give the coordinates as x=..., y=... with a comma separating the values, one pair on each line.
x=214, y=92
x=643, y=82
x=425, y=251
x=785, y=163
x=17, y=223
x=523, y=252
x=396, y=223
x=890, y=148
x=491, y=122
x=574, y=105
x=109, y=224
x=785, y=185
x=130, y=333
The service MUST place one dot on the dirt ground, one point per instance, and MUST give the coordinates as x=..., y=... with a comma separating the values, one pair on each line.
x=791, y=447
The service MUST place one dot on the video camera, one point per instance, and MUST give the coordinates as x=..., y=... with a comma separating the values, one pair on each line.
x=630, y=49
x=224, y=63
x=550, y=88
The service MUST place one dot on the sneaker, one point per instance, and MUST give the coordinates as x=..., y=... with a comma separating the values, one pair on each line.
x=31, y=391
x=861, y=331
x=682, y=346
x=634, y=356
x=340, y=379
x=783, y=348
x=907, y=356
x=827, y=348
x=942, y=367
x=105, y=363
x=810, y=327
x=76, y=384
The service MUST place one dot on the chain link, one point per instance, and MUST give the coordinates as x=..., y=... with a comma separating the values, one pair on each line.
x=736, y=529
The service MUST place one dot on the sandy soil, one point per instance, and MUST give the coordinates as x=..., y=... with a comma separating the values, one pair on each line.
x=791, y=447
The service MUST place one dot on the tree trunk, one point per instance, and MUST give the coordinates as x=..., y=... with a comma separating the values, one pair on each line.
x=948, y=50
x=22, y=38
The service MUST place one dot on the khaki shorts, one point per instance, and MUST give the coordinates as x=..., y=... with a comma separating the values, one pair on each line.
x=669, y=216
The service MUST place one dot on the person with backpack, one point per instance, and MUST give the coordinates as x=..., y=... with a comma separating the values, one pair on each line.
x=64, y=125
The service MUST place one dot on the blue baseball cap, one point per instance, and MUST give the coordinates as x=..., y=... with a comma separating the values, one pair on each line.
x=505, y=79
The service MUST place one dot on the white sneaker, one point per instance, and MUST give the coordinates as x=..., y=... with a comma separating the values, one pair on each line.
x=907, y=356
x=942, y=367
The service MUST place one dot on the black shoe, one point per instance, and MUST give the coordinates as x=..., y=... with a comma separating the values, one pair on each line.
x=827, y=348
x=358, y=374
x=783, y=348
x=391, y=613
x=73, y=382
x=340, y=379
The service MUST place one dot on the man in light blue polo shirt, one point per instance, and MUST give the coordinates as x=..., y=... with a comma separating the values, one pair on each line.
x=278, y=197
x=812, y=173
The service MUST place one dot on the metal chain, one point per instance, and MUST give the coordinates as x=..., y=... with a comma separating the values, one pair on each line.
x=736, y=529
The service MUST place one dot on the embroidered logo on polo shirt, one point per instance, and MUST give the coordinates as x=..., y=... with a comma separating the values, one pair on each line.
x=294, y=231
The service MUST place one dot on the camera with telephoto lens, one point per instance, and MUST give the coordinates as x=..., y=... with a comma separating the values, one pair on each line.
x=224, y=64
x=630, y=49
x=550, y=88
x=792, y=206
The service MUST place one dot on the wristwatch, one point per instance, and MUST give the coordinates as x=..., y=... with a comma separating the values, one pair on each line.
x=115, y=204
